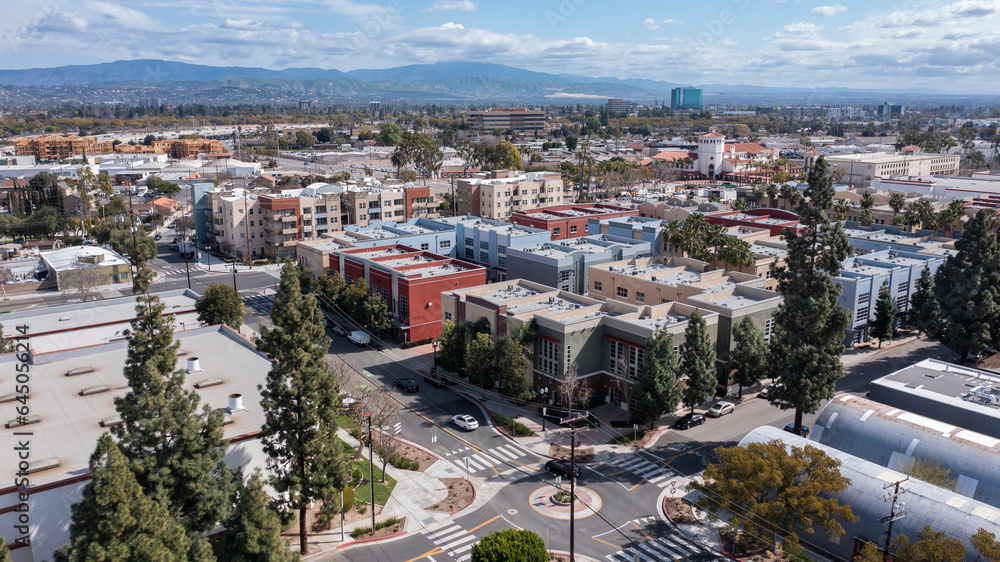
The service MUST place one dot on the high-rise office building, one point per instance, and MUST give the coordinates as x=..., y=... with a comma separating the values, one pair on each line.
x=685, y=98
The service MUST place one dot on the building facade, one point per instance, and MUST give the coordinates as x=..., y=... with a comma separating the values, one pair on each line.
x=499, y=194
x=685, y=98
x=411, y=281
x=859, y=168
x=569, y=221
x=47, y=148
x=617, y=105
x=517, y=119
x=566, y=264
x=490, y=243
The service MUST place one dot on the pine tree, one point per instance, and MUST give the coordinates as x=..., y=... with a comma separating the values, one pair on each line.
x=967, y=290
x=924, y=313
x=656, y=392
x=810, y=324
x=254, y=532
x=300, y=403
x=116, y=520
x=697, y=362
x=4, y=551
x=883, y=325
x=748, y=359
x=174, y=448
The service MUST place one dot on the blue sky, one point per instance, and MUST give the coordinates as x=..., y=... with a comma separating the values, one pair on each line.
x=937, y=45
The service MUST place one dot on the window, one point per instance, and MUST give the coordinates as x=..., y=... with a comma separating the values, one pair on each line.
x=425, y=246
x=502, y=262
x=901, y=303
x=484, y=245
x=241, y=211
x=548, y=357
x=384, y=293
x=484, y=259
x=251, y=223
x=622, y=292
x=445, y=244
x=903, y=288
x=626, y=360
x=862, y=315
x=768, y=329
x=640, y=296
x=556, y=231
x=501, y=249
x=572, y=230
x=447, y=316
x=564, y=275
x=404, y=309
x=598, y=286
x=469, y=255
x=863, y=299
x=253, y=235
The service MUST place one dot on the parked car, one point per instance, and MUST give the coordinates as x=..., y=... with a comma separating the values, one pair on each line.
x=339, y=330
x=359, y=338
x=437, y=380
x=408, y=385
x=465, y=421
x=562, y=468
x=803, y=432
x=689, y=420
x=770, y=390
x=173, y=247
x=158, y=237
x=721, y=408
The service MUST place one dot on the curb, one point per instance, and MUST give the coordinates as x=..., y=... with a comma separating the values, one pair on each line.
x=363, y=541
x=663, y=510
x=474, y=494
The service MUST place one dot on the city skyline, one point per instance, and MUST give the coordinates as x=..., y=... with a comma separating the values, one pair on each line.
x=920, y=46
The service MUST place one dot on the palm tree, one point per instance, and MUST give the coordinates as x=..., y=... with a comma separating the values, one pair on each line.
x=740, y=205
x=790, y=194
x=841, y=207
x=867, y=201
x=735, y=252
x=772, y=192
x=758, y=194
x=923, y=213
x=896, y=202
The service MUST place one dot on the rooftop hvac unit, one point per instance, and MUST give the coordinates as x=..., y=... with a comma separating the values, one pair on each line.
x=235, y=402
x=193, y=365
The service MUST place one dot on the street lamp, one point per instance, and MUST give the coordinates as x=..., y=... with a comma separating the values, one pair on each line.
x=434, y=367
x=234, y=278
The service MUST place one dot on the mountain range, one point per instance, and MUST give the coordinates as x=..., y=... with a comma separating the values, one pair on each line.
x=455, y=82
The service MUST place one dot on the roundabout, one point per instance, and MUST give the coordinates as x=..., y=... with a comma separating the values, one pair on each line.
x=543, y=501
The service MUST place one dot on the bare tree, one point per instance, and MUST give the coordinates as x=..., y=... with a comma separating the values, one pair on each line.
x=84, y=279
x=574, y=390
x=384, y=410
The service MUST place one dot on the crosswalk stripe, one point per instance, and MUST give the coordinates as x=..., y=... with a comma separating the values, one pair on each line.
x=453, y=545
x=658, y=478
x=481, y=461
x=516, y=451
x=648, y=548
x=473, y=464
x=501, y=454
x=663, y=549
x=458, y=532
x=444, y=530
x=493, y=461
x=675, y=544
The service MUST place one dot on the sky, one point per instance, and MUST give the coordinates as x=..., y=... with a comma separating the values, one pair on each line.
x=924, y=45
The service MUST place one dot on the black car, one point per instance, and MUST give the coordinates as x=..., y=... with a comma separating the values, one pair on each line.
x=802, y=432
x=437, y=380
x=689, y=420
x=408, y=385
x=158, y=237
x=562, y=468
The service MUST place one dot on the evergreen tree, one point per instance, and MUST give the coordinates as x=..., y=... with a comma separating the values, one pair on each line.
x=748, y=359
x=923, y=308
x=300, y=403
x=697, y=364
x=220, y=304
x=883, y=325
x=4, y=551
x=116, y=520
x=174, y=449
x=254, y=532
x=810, y=325
x=967, y=290
x=479, y=359
x=656, y=391
x=511, y=367
x=378, y=317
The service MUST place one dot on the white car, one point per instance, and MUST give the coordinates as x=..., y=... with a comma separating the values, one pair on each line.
x=721, y=408
x=465, y=421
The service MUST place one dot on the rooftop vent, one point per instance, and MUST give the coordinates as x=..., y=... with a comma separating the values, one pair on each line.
x=112, y=421
x=235, y=402
x=23, y=420
x=193, y=365
x=207, y=383
x=42, y=464
x=96, y=389
x=79, y=371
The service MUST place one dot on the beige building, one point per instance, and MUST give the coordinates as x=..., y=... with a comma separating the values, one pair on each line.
x=269, y=225
x=55, y=147
x=364, y=204
x=518, y=119
x=498, y=194
x=860, y=168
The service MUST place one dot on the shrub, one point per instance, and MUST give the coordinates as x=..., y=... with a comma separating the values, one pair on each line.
x=510, y=544
x=348, y=498
x=518, y=428
x=362, y=509
x=360, y=531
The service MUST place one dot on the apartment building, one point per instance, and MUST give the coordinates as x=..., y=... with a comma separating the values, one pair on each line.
x=860, y=168
x=518, y=119
x=410, y=280
x=569, y=221
x=565, y=264
x=618, y=105
x=363, y=205
x=176, y=148
x=657, y=280
x=861, y=279
x=489, y=242
x=269, y=225
x=605, y=340
x=47, y=148
x=774, y=220
x=499, y=194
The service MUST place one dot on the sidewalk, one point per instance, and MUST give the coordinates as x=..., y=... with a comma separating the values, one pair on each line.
x=867, y=350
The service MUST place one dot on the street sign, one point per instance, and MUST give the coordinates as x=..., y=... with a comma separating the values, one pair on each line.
x=635, y=427
x=559, y=482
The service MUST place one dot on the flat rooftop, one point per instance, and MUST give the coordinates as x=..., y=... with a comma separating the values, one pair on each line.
x=554, y=304
x=771, y=251
x=509, y=293
x=865, y=269
x=379, y=252
x=435, y=271
x=409, y=260
x=70, y=424
x=951, y=381
x=412, y=229
x=679, y=277
x=655, y=323
x=503, y=228
x=630, y=269
x=904, y=261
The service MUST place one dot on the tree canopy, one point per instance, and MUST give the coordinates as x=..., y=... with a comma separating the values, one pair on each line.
x=220, y=304
x=254, y=532
x=774, y=492
x=697, y=365
x=748, y=358
x=656, y=391
x=509, y=545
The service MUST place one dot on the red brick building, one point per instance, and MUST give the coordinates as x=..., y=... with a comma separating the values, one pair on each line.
x=410, y=280
x=775, y=220
x=569, y=221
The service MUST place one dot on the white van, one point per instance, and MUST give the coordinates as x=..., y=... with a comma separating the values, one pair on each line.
x=359, y=338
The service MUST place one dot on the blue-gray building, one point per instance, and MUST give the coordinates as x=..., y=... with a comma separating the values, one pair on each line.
x=685, y=98
x=868, y=239
x=862, y=277
x=564, y=264
x=487, y=242
x=202, y=212
x=646, y=229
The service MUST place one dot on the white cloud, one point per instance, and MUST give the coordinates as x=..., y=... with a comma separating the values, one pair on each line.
x=829, y=10
x=120, y=15
x=802, y=28
x=448, y=5
x=650, y=23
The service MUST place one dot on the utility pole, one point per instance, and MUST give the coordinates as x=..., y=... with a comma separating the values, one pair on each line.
x=893, y=514
x=371, y=471
x=572, y=485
